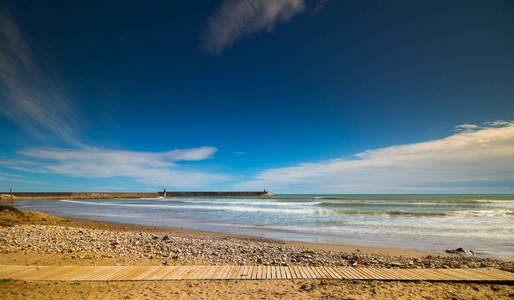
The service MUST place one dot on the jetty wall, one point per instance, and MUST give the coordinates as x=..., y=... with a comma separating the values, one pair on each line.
x=109, y=195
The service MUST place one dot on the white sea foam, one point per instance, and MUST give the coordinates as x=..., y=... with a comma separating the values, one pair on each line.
x=201, y=207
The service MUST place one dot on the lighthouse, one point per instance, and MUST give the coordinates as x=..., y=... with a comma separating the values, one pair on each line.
x=164, y=194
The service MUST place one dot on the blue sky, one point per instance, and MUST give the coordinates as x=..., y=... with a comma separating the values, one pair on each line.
x=295, y=96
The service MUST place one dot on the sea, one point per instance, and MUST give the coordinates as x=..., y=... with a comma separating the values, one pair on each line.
x=433, y=223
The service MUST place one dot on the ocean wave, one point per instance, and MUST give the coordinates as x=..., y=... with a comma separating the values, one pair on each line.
x=244, y=209
x=461, y=213
x=395, y=204
x=391, y=232
x=391, y=212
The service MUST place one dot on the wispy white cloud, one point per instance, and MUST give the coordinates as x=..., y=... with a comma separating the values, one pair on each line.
x=475, y=160
x=238, y=18
x=498, y=123
x=467, y=127
x=29, y=97
x=151, y=168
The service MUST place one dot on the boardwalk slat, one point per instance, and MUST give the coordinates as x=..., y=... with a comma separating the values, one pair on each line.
x=216, y=273
x=254, y=272
x=259, y=272
x=414, y=275
x=9, y=271
x=328, y=273
x=376, y=274
x=302, y=272
x=279, y=273
x=449, y=275
x=353, y=273
x=342, y=272
x=309, y=271
x=495, y=273
x=168, y=273
x=148, y=272
x=287, y=272
x=320, y=272
x=294, y=274
x=334, y=273
x=234, y=272
x=226, y=272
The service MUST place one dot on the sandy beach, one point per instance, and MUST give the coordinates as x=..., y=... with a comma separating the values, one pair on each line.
x=35, y=238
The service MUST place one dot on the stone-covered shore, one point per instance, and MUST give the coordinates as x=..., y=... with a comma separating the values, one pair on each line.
x=166, y=248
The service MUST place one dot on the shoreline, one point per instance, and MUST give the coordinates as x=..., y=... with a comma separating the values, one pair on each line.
x=58, y=240
x=35, y=238
x=348, y=248
x=96, y=224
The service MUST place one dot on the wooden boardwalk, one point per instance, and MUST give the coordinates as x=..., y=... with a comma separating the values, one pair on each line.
x=74, y=273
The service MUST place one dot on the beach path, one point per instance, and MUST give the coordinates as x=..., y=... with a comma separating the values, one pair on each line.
x=119, y=273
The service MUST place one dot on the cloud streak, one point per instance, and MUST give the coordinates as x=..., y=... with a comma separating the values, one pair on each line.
x=29, y=97
x=475, y=159
x=236, y=19
x=151, y=168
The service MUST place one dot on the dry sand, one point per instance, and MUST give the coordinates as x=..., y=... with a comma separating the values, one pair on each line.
x=253, y=289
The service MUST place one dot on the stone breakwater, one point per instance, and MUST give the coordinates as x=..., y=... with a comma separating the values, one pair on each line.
x=190, y=249
x=110, y=195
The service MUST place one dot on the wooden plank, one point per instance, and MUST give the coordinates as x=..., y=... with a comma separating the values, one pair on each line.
x=200, y=271
x=260, y=269
x=279, y=273
x=241, y=272
x=469, y=275
x=375, y=274
x=225, y=272
x=396, y=275
x=216, y=273
x=28, y=271
x=149, y=271
x=299, y=270
x=334, y=273
x=309, y=272
x=318, y=273
x=190, y=273
x=9, y=271
x=168, y=273
x=156, y=273
x=287, y=272
x=254, y=270
x=294, y=274
x=413, y=275
x=357, y=273
x=496, y=274
x=449, y=275
x=205, y=274
x=233, y=272
x=342, y=272
x=328, y=275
